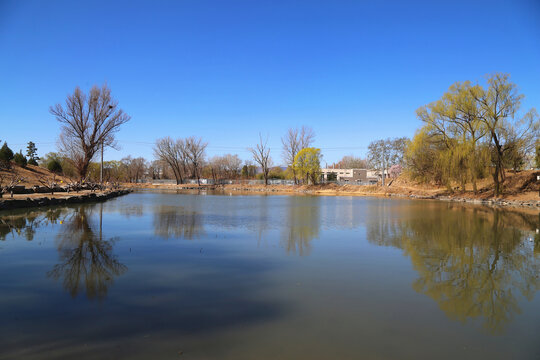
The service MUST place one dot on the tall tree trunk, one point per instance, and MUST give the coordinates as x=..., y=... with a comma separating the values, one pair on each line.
x=496, y=180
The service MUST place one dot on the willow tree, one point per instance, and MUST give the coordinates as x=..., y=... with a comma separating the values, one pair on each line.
x=89, y=122
x=293, y=142
x=454, y=122
x=500, y=104
x=307, y=164
x=464, y=113
x=420, y=157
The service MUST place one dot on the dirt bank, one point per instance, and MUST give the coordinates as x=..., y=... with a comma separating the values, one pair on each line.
x=34, y=200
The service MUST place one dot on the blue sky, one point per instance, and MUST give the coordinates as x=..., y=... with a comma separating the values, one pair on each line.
x=354, y=71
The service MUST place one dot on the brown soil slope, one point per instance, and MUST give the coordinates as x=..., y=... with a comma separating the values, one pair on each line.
x=30, y=175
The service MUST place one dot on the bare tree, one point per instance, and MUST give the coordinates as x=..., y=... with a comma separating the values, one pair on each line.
x=8, y=185
x=379, y=156
x=49, y=182
x=382, y=154
x=232, y=165
x=217, y=167
x=195, y=154
x=88, y=122
x=155, y=169
x=172, y=153
x=352, y=162
x=306, y=138
x=135, y=168
x=294, y=141
x=261, y=155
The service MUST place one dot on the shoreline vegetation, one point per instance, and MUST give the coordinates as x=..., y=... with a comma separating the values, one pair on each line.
x=522, y=190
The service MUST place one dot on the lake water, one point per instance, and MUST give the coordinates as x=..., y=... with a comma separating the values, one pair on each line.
x=218, y=276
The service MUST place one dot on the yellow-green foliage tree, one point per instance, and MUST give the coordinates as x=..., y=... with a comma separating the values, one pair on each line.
x=472, y=131
x=421, y=157
x=454, y=123
x=510, y=135
x=307, y=163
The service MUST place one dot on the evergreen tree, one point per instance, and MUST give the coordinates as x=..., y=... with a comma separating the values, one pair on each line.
x=54, y=166
x=6, y=155
x=31, y=153
x=20, y=159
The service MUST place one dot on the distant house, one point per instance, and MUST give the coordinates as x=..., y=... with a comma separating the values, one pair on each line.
x=377, y=174
x=353, y=176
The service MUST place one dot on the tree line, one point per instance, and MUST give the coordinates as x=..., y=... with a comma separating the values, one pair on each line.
x=471, y=132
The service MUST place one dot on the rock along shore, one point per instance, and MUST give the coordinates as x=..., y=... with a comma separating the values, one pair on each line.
x=497, y=202
x=10, y=204
x=533, y=204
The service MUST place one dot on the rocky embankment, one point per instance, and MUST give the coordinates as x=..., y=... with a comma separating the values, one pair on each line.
x=533, y=204
x=529, y=202
x=74, y=198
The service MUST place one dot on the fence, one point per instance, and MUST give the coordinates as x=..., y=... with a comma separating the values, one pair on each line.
x=357, y=183
x=244, y=182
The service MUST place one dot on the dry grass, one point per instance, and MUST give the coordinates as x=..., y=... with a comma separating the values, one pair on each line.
x=31, y=175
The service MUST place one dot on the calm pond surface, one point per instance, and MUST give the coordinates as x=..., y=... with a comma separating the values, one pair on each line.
x=167, y=275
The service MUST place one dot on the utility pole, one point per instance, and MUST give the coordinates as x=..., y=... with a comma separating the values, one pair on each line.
x=101, y=168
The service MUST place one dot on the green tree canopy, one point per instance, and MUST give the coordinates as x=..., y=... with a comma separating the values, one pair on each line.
x=307, y=164
x=6, y=155
x=54, y=165
x=20, y=159
x=31, y=153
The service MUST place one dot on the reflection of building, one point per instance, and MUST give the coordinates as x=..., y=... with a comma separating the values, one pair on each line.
x=350, y=175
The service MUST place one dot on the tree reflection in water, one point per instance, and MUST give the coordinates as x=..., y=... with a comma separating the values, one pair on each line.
x=472, y=261
x=177, y=222
x=303, y=224
x=86, y=259
x=26, y=223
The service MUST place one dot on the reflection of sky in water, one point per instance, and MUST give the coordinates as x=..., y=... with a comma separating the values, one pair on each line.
x=241, y=277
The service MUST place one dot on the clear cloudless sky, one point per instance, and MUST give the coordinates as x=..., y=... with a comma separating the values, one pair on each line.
x=355, y=71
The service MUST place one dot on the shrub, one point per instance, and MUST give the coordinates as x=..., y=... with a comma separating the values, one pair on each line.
x=54, y=166
x=6, y=155
x=20, y=159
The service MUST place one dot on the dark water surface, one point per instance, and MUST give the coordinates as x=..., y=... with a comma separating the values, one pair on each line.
x=166, y=276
